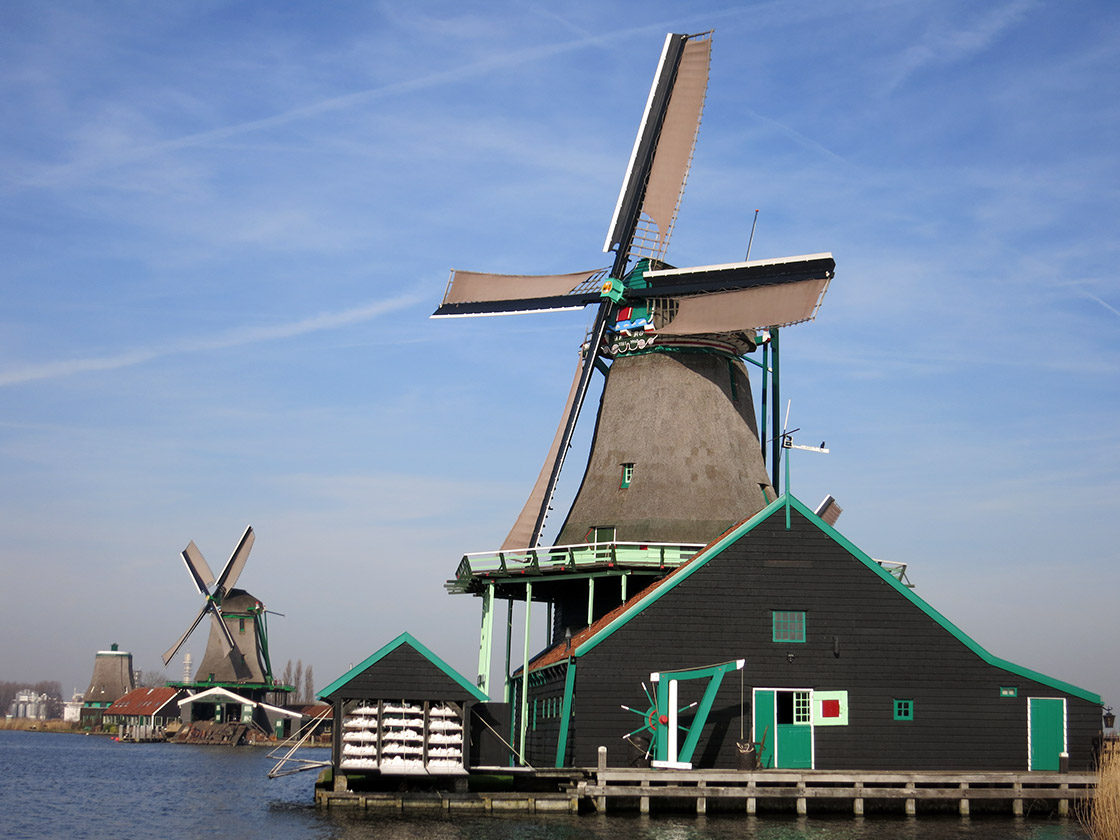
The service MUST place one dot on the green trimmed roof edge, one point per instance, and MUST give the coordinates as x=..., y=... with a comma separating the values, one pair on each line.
x=737, y=532
x=405, y=638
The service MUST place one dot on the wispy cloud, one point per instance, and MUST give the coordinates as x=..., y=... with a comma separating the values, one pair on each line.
x=120, y=153
x=1103, y=303
x=946, y=46
x=22, y=374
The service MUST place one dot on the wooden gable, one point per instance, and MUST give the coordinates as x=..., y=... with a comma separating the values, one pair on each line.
x=867, y=639
x=403, y=669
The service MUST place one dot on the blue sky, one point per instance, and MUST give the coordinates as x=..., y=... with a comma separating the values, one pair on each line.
x=224, y=225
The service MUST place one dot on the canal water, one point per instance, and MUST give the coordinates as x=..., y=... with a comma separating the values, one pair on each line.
x=75, y=787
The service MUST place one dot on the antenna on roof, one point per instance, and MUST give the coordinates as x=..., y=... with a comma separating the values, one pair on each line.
x=750, y=240
x=787, y=443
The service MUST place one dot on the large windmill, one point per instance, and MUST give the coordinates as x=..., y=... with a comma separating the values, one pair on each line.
x=237, y=650
x=677, y=456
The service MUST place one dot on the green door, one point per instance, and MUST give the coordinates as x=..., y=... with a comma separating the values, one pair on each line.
x=1046, y=718
x=764, y=727
x=783, y=727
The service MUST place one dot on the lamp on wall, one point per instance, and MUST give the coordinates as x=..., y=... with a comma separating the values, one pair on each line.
x=1109, y=718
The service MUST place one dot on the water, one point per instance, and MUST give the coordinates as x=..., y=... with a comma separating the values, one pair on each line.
x=74, y=787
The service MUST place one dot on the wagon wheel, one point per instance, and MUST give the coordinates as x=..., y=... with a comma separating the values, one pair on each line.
x=654, y=722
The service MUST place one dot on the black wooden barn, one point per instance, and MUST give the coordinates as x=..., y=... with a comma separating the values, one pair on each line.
x=403, y=711
x=843, y=666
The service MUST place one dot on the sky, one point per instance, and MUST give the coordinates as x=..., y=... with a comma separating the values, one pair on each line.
x=225, y=224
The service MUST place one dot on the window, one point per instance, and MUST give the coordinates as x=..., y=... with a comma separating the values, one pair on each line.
x=903, y=709
x=1008, y=691
x=241, y=625
x=789, y=625
x=802, y=708
x=627, y=475
x=599, y=534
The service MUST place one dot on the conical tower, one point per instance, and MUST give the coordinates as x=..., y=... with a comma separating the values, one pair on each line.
x=112, y=679
x=675, y=457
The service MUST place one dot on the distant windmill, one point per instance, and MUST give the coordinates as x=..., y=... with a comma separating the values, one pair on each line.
x=237, y=650
x=676, y=455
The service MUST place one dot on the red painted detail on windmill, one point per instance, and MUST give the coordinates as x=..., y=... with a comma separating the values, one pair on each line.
x=624, y=313
x=830, y=708
x=664, y=719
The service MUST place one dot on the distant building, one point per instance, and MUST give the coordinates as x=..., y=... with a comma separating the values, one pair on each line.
x=144, y=713
x=112, y=679
x=29, y=705
x=72, y=710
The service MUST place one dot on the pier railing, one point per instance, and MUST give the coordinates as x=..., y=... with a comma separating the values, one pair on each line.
x=796, y=787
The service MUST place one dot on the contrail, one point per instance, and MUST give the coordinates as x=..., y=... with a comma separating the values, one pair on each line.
x=233, y=338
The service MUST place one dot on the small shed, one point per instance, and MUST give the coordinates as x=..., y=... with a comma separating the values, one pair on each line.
x=403, y=711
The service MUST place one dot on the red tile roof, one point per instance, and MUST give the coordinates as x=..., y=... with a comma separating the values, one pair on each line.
x=144, y=701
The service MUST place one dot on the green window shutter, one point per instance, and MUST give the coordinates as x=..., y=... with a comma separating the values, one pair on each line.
x=903, y=709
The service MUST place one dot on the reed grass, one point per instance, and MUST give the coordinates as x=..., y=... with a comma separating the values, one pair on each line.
x=1102, y=819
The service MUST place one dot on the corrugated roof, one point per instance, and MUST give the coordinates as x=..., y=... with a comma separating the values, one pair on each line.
x=143, y=701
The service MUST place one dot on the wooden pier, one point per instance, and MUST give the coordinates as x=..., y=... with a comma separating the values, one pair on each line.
x=746, y=792
x=793, y=790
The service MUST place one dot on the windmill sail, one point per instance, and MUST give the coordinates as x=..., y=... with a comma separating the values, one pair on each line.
x=522, y=534
x=476, y=293
x=659, y=163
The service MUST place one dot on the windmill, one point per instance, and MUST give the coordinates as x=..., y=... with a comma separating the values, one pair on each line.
x=676, y=456
x=237, y=650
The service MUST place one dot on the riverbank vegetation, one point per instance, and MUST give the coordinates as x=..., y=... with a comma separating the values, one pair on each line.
x=1102, y=820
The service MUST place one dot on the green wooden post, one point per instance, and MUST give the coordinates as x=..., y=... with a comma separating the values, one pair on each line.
x=486, y=639
x=525, y=675
x=765, y=386
x=566, y=713
x=775, y=413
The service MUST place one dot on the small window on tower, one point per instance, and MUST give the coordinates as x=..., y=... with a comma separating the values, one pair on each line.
x=241, y=625
x=627, y=475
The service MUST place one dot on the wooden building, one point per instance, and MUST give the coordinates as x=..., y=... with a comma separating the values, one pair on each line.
x=144, y=713
x=403, y=711
x=796, y=645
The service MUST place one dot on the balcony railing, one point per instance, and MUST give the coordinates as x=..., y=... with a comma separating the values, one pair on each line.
x=560, y=559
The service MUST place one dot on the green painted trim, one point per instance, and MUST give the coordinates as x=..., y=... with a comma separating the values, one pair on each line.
x=738, y=532
x=566, y=713
x=774, y=620
x=903, y=709
x=524, y=722
x=410, y=640
x=686, y=749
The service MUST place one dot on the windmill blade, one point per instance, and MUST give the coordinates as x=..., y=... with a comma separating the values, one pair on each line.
x=662, y=154
x=232, y=571
x=219, y=622
x=174, y=649
x=543, y=498
x=198, y=567
x=521, y=534
x=473, y=293
x=739, y=275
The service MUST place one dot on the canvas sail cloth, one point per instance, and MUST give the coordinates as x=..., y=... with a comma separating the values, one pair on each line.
x=685, y=83
x=744, y=309
x=469, y=292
